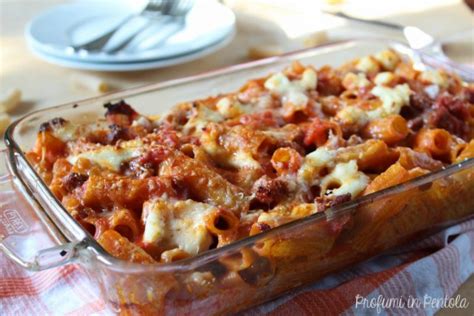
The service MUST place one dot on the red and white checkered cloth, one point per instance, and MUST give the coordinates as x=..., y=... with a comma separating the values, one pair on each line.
x=435, y=266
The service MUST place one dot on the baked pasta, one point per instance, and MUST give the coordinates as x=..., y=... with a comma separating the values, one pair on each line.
x=212, y=171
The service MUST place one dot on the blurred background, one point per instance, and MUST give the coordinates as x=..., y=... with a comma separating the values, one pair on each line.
x=263, y=28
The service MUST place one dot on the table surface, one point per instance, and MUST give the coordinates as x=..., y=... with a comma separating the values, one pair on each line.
x=264, y=24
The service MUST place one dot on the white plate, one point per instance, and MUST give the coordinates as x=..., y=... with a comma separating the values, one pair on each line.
x=75, y=23
x=132, y=66
x=39, y=50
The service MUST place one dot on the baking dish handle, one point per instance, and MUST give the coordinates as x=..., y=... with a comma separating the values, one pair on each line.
x=25, y=237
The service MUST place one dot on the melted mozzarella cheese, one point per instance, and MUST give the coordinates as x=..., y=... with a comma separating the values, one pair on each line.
x=435, y=77
x=70, y=132
x=224, y=106
x=321, y=156
x=142, y=121
x=239, y=159
x=309, y=79
x=170, y=224
x=355, y=81
x=278, y=83
x=393, y=99
x=384, y=78
x=209, y=142
x=352, y=115
x=367, y=64
x=66, y=132
x=109, y=157
x=388, y=58
x=314, y=162
x=230, y=109
x=243, y=159
x=292, y=91
x=155, y=228
x=348, y=179
x=296, y=98
x=199, y=121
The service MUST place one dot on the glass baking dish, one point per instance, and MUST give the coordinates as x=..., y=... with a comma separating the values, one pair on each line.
x=38, y=233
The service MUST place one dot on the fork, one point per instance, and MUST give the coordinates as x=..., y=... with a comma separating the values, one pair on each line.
x=153, y=10
x=416, y=37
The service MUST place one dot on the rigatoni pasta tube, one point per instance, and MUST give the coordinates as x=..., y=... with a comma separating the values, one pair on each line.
x=457, y=146
x=286, y=160
x=373, y=155
x=98, y=225
x=239, y=260
x=456, y=150
x=410, y=159
x=221, y=222
x=390, y=129
x=205, y=184
x=394, y=175
x=319, y=131
x=173, y=255
x=436, y=142
x=468, y=152
x=123, y=221
x=122, y=248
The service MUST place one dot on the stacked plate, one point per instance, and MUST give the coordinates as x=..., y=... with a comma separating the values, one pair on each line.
x=208, y=27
